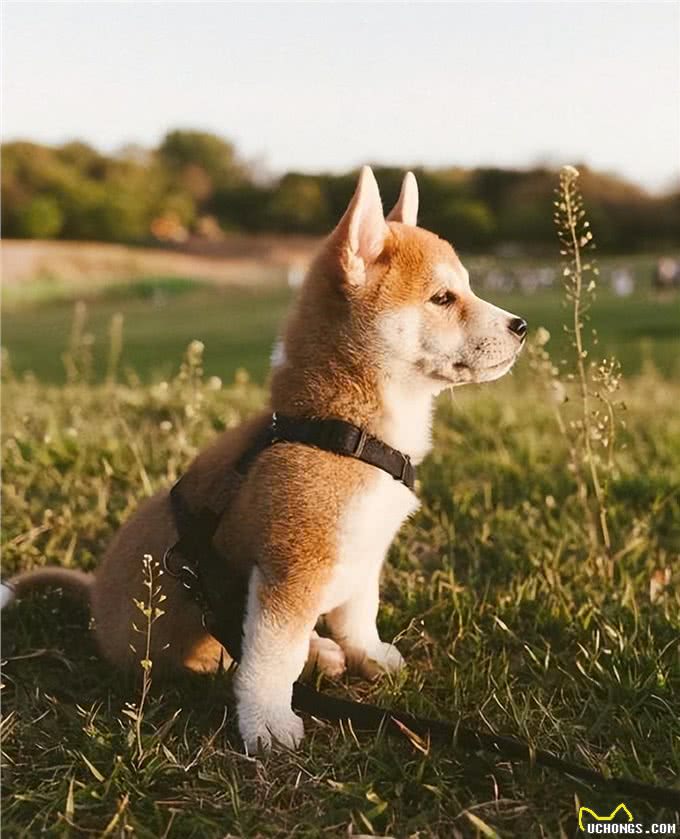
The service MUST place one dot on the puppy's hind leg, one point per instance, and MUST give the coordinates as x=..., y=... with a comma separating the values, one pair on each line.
x=278, y=625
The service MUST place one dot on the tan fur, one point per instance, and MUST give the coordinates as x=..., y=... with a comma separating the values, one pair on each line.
x=342, y=356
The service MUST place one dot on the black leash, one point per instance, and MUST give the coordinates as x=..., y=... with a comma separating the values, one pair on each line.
x=372, y=717
x=195, y=562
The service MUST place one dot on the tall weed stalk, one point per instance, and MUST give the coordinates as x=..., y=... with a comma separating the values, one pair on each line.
x=584, y=389
x=151, y=611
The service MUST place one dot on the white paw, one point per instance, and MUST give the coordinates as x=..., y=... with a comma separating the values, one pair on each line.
x=326, y=656
x=261, y=727
x=387, y=657
x=378, y=659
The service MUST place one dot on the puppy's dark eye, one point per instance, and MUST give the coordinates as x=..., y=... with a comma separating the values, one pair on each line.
x=443, y=298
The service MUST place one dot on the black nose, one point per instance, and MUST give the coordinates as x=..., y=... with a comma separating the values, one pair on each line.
x=518, y=326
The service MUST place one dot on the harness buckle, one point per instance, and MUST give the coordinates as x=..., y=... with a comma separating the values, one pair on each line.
x=361, y=443
x=406, y=476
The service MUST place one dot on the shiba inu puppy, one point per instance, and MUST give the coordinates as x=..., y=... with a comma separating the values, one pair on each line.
x=384, y=321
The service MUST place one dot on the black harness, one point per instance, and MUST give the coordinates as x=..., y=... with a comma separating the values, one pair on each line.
x=195, y=562
x=337, y=436
x=193, y=558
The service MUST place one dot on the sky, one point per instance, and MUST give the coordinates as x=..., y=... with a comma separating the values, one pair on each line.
x=328, y=86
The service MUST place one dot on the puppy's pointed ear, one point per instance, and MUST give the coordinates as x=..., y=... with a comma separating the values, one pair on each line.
x=406, y=208
x=362, y=231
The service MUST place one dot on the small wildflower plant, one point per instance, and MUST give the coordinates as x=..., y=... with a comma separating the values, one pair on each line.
x=151, y=611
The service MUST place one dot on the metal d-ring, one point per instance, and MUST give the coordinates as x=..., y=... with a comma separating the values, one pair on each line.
x=185, y=573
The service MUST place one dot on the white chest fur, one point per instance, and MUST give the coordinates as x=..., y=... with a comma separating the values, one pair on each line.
x=366, y=529
x=377, y=510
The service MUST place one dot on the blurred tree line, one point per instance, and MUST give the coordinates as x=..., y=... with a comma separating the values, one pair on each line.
x=195, y=184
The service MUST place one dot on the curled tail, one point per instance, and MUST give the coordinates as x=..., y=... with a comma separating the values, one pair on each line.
x=77, y=584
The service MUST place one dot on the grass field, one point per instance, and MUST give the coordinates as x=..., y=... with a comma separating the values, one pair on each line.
x=508, y=619
x=239, y=324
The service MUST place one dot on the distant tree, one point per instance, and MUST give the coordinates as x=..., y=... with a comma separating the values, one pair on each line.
x=526, y=210
x=440, y=190
x=75, y=191
x=88, y=162
x=663, y=221
x=338, y=190
x=466, y=223
x=117, y=216
x=196, y=182
x=199, y=149
x=40, y=218
x=241, y=207
x=298, y=205
x=178, y=204
x=492, y=185
x=525, y=222
x=29, y=171
x=37, y=168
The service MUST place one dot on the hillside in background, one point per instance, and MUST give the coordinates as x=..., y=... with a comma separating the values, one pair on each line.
x=194, y=187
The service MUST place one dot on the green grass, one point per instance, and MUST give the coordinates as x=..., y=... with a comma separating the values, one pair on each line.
x=635, y=329
x=505, y=617
x=239, y=325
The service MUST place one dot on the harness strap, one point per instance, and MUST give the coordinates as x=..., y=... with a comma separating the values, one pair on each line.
x=194, y=561
x=344, y=438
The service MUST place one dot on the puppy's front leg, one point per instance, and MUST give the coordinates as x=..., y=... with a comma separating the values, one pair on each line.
x=353, y=626
x=277, y=630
